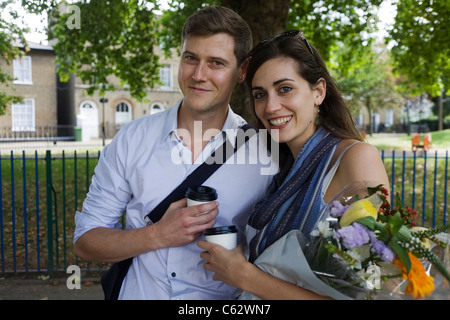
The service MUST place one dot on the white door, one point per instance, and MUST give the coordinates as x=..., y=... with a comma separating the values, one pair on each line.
x=89, y=113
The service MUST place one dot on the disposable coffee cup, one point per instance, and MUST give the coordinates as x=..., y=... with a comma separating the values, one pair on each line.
x=200, y=194
x=224, y=236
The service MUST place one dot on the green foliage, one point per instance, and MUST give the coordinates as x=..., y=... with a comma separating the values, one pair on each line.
x=325, y=23
x=10, y=35
x=417, y=247
x=114, y=39
x=391, y=230
x=332, y=22
x=421, y=50
x=366, y=79
x=172, y=22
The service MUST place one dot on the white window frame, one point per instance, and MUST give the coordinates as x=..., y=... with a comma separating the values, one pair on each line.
x=389, y=118
x=156, y=107
x=165, y=75
x=359, y=118
x=23, y=116
x=22, y=70
x=123, y=117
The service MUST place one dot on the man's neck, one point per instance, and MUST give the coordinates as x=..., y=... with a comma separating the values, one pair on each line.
x=196, y=129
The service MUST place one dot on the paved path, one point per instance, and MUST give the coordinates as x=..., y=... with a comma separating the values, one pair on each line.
x=52, y=289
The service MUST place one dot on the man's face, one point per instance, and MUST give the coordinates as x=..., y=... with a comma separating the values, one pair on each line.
x=208, y=71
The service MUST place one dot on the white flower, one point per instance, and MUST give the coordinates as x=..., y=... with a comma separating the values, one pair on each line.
x=323, y=229
x=359, y=254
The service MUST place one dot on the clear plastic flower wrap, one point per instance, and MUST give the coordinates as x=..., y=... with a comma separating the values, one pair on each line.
x=366, y=249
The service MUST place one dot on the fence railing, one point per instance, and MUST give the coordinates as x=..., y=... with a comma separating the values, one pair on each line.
x=420, y=178
x=38, y=133
x=40, y=193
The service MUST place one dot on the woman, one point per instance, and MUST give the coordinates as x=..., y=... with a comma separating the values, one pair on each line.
x=295, y=98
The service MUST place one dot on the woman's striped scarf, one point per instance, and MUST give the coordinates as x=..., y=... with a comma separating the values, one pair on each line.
x=294, y=199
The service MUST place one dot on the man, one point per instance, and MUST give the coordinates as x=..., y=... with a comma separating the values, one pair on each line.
x=152, y=155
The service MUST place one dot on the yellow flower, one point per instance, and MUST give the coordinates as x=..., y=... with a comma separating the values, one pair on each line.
x=420, y=285
x=361, y=209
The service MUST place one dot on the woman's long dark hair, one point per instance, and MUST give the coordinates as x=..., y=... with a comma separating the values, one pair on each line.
x=334, y=114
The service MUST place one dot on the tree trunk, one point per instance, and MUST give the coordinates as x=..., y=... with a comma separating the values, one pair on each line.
x=265, y=18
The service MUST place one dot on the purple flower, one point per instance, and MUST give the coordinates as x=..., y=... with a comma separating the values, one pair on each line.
x=354, y=235
x=383, y=250
x=337, y=209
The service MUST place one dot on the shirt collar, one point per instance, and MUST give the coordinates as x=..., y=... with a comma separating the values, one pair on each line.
x=232, y=123
x=170, y=123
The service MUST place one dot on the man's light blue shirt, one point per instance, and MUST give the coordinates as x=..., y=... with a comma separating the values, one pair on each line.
x=145, y=161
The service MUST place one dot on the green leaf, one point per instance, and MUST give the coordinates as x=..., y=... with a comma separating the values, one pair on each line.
x=395, y=223
x=369, y=222
x=401, y=252
x=403, y=234
x=372, y=190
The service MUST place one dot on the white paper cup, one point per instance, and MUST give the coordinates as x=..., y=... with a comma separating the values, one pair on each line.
x=224, y=236
x=191, y=202
x=199, y=195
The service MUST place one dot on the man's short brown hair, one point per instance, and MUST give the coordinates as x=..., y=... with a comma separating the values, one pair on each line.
x=217, y=19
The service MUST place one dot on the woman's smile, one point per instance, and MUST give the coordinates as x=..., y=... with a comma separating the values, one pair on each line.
x=279, y=122
x=285, y=101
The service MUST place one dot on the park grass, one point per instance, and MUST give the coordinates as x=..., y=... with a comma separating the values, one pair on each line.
x=73, y=176
x=420, y=182
x=440, y=140
x=24, y=206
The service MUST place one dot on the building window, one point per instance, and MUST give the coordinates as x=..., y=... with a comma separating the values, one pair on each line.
x=123, y=113
x=22, y=70
x=155, y=108
x=389, y=121
x=165, y=75
x=359, y=119
x=375, y=122
x=87, y=105
x=23, y=116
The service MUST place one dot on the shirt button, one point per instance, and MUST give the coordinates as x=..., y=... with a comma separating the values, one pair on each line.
x=173, y=274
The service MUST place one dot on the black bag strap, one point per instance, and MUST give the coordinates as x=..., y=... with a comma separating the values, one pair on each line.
x=202, y=173
x=112, y=279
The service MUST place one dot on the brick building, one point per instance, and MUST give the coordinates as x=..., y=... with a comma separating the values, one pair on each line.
x=52, y=109
x=35, y=80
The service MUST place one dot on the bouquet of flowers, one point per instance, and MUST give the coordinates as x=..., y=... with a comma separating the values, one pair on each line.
x=365, y=248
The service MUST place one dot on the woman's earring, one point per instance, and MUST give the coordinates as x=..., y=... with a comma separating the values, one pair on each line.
x=318, y=115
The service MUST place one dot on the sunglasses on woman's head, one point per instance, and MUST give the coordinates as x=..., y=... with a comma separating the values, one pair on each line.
x=291, y=33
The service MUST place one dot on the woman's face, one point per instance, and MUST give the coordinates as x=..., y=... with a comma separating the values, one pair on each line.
x=285, y=101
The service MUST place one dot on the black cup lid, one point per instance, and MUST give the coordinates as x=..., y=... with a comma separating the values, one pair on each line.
x=220, y=230
x=201, y=193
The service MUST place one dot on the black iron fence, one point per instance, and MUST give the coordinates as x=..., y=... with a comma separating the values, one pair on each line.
x=40, y=193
